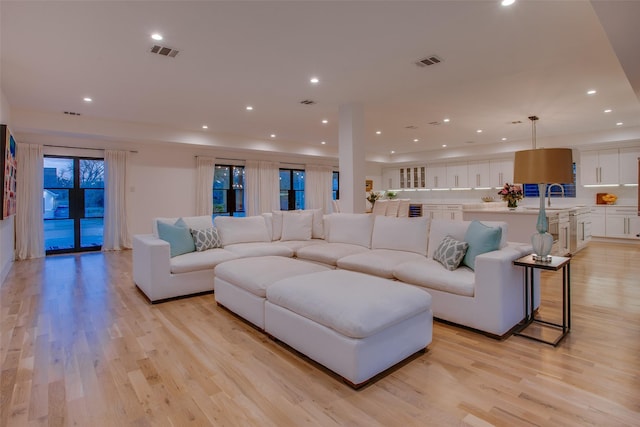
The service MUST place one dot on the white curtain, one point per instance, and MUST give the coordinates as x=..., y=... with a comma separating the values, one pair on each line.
x=318, y=187
x=116, y=229
x=29, y=193
x=205, y=169
x=262, y=187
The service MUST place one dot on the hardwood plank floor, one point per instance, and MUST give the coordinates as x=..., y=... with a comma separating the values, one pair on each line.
x=80, y=346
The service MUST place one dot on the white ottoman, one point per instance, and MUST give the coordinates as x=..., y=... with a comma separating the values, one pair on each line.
x=240, y=284
x=354, y=324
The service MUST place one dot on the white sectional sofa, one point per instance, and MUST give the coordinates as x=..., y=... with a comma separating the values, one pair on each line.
x=489, y=298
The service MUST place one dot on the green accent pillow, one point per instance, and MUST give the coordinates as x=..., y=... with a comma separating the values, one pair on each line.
x=481, y=238
x=178, y=236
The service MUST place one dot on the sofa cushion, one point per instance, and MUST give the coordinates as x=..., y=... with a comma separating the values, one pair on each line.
x=481, y=238
x=234, y=230
x=450, y=252
x=377, y=262
x=353, y=304
x=401, y=234
x=296, y=245
x=296, y=225
x=207, y=238
x=329, y=253
x=276, y=224
x=196, y=261
x=431, y=274
x=353, y=229
x=178, y=237
x=254, y=249
x=317, y=232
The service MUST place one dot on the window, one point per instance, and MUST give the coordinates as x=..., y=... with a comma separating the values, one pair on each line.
x=531, y=190
x=336, y=185
x=291, y=189
x=73, y=204
x=228, y=190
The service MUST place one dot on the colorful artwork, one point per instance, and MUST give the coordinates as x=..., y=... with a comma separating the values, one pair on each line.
x=9, y=168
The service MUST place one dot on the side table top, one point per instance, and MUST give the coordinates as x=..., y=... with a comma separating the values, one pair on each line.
x=556, y=263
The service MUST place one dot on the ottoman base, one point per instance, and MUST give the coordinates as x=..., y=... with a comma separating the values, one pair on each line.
x=356, y=360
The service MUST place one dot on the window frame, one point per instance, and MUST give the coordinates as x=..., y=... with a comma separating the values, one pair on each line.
x=232, y=195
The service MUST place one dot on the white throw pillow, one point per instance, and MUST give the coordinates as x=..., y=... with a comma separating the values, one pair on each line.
x=297, y=225
x=234, y=230
x=276, y=225
x=317, y=231
x=354, y=229
x=400, y=234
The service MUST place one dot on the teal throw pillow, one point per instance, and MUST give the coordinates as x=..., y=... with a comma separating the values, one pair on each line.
x=178, y=236
x=450, y=252
x=481, y=238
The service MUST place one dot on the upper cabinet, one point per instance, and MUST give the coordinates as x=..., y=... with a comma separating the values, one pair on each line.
x=479, y=174
x=629, y=165
x=457, y=175
x=501, y=172
x=599, y=167
x=391, y=178
x=437, y=176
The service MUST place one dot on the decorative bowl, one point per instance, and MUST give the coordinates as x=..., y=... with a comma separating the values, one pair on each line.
x=488, y=199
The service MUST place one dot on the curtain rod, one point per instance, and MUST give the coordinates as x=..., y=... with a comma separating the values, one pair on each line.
x=82, y=148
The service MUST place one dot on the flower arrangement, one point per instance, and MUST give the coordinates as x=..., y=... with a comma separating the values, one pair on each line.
x=511, y=193
x=609, y=198
x=372, y=196
x=390, y=194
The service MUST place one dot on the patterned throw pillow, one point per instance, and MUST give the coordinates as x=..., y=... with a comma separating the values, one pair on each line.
x=450, y=252
x=206, y=239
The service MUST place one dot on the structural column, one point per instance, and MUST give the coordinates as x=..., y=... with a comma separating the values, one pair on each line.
x=351, y=153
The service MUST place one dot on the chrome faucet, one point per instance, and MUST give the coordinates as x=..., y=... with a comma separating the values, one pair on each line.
x=549, y=192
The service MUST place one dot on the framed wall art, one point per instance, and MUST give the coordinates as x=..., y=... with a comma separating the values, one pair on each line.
x=9, y=169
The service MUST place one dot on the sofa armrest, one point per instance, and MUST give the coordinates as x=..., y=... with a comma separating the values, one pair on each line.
x=151, y=263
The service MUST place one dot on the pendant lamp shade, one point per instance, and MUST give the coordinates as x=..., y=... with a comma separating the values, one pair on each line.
x=543, y=165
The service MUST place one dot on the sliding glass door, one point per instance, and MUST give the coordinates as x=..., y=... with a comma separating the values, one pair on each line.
x=73, y=204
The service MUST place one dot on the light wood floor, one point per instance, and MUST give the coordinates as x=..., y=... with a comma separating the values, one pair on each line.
x=81, y=346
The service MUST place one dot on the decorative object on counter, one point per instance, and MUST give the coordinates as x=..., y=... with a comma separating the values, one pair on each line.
x=372, y=196
x=609, y=198
x=511, y=193
x=487, y=199
x=391, y=194
x=542, y=166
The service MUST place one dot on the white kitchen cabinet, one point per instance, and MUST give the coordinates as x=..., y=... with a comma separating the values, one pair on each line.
x=436, y=211
x=629, y=165
x=598, y=221
x=599, y=167
x=457, y=175
x=436, y=176
x=432, y=211
x=479, y=174
x=413, y=177
x=391, y=178
x=564, y=229
x=501, y=172
x=622, y=222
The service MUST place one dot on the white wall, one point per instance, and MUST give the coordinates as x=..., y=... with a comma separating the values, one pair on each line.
x=7, y=228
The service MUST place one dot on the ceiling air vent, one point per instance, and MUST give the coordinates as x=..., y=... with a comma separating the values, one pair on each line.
x=429, y=60
x=164, y=51
x=71, y=113
x=411, y=127
x=307, y=102
x=435, y=123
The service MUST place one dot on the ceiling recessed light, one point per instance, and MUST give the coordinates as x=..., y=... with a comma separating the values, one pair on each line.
x=446, y=120
x=591, y=92
x=156, y=36
x=503, y=139
x=392, y=152
x=416, y=140
x=323, y=142
x=87, y=99
x=444, y=145
x=608, y=110
x=249, y=108
x=619, y=124
x=479, y=131
x=378, y=132
x=507, y=2
x=314, y=80
x=325, y=121
x=205, y=127
x=273, y=135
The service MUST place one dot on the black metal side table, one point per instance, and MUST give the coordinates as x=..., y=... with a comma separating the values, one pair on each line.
x=555, y=264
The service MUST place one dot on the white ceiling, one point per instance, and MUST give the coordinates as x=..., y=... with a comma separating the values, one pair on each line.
x=499, y=65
